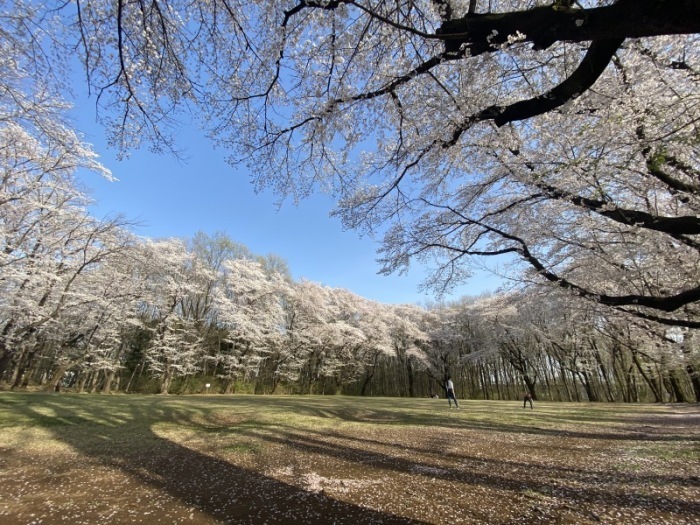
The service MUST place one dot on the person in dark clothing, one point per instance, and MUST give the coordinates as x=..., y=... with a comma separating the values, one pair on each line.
x=450, y=390
x=527, y=397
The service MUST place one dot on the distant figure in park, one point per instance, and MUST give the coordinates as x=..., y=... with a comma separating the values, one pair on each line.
x=450, y=390
x=527, y=397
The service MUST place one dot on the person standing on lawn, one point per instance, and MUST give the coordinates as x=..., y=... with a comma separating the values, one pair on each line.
x=450, y=390
x=527, y=397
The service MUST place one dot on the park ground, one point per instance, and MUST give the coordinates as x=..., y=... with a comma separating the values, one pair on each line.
x=82, y=459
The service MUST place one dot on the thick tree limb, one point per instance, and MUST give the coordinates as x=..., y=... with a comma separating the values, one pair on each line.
x=666, y=303
x=597, y=58
x=674, y=226
x=543, y=26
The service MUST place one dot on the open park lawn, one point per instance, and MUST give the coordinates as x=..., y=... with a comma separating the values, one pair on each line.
x=270, y=459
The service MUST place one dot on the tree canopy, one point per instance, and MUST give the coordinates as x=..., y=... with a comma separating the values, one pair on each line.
x=563, y=133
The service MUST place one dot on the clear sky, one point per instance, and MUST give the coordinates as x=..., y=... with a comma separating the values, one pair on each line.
x=172, y=198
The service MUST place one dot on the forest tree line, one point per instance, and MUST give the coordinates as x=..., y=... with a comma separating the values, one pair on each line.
x=89, y=307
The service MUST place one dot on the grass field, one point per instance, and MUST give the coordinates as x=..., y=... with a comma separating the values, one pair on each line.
x=268, y=459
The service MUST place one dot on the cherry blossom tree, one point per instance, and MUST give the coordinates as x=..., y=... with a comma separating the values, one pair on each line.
x=173, y=275
x=250, y=307
x=407, y=332
x=49, y=241
x=88, y=335
x=308, y=312
x=369, y=339
x=561, y=132
x=346, y=342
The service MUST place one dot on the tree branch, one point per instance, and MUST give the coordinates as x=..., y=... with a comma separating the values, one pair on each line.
x=474, y=34
x=674, y=226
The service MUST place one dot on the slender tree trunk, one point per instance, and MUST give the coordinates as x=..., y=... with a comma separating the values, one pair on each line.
x=29, y=374
x=95, y=381
x=369, y=374
x=585, y=378
x=109, y=374
x=545, y=374
x=18, y=370
x=634, y=388
x=139, y=367
x=497, y=380
x=577, y=394
x=565, y=382
x=694, y=380
x=621, y=379
x=654, y=388
x=165, y=381
x=6, y=353
x=24, y=362
x=109, y=377
x=5, y=361
x=676, y=387
x=83, y=380
x=482, y=380
x=604, y=373
x=54, y=382
x=410, y=376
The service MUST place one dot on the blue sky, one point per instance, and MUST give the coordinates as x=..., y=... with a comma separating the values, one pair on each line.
x=172, y=198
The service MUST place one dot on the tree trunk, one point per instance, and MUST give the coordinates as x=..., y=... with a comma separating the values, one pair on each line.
x=411, y=378
x=365, y=383
x=109, y=377
x=131, y=379
x=694, y=380
x=676, y=387
x=165, y=382
x=54, y=382
x=654, y=388
x=83, y=380
x=622, y=380
x=23, y=363
x=95, y=381
x=604, y=372
x=530, y=383
x=585, y=378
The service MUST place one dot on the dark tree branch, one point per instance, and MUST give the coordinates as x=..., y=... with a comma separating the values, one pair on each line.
x=665, y=303
x=662, y=320
x=474, y=34
x=662, y=303
x=674, y=226
x=592, y=66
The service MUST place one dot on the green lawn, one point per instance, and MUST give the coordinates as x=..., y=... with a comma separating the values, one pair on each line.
x=275, y=459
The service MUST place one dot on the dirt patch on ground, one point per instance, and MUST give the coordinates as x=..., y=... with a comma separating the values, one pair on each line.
x=359, y=466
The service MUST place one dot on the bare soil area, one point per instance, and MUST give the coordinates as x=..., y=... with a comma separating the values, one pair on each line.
x=212, y=460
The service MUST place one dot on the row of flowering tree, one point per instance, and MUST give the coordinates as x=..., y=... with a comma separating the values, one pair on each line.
x=88, y=306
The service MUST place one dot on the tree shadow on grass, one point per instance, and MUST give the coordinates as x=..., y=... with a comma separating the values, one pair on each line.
x=120, y=436
x=577, y=488
x=634, y=428
x=534, y=470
